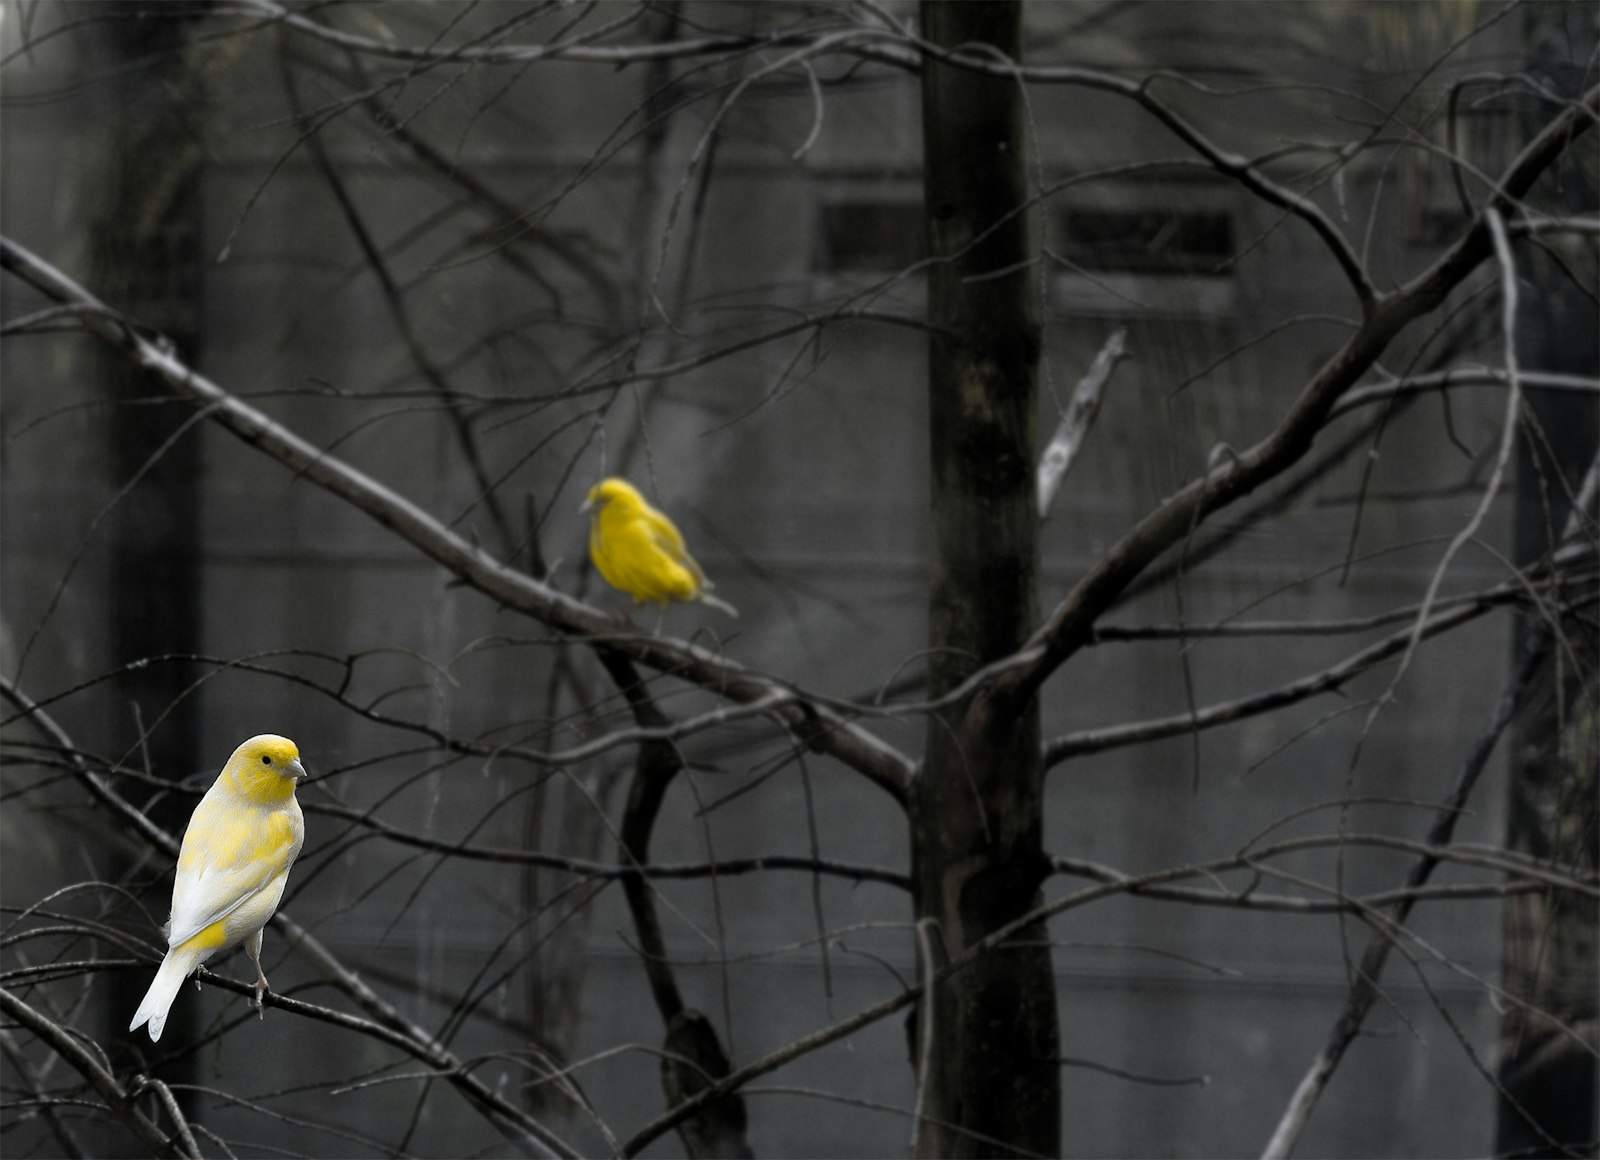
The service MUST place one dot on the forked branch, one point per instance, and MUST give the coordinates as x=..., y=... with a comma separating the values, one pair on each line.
x=820, y=726
x=1070, y=626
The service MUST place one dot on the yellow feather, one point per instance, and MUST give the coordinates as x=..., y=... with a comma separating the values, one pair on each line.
x=212, y=938
x=639, y=550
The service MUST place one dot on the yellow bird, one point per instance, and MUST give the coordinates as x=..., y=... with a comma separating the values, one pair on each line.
x=244, y=835
x=640, y=551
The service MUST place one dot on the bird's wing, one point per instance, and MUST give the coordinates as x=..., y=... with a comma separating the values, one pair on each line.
x=665, y=535
x=231, y=852
x=213, y=896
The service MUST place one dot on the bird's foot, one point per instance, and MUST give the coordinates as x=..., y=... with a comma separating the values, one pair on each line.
x=261, y=991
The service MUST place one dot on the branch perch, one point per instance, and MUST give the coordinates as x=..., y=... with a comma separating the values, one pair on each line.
x=821, y=727
x=120, y=1102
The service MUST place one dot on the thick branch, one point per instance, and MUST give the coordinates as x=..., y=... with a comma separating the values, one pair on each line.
x=1070, y=625
x=85, y=1064
x=819, y=726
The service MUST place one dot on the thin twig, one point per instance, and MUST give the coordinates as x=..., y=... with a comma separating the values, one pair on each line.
x=928, y=945
x=1364, y=986
x=1058, y=749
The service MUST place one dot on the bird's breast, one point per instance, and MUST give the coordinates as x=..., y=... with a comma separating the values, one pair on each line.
x=241, y=837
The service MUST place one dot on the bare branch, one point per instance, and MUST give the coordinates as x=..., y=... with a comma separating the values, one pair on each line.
x=164, y=1094
x=119, y=1101
x=1509, y=592
x=1461, y=377
x=1070, y=625
x=1536, y=226
x=501, y=1112
x=1364, y=986
x=1292, y=903
x=1229, y=164
x=621, y=871
x=819, y=727
x=20, y=1064
x=1058, y=749
x=426, y=366
x=1077, y=420
x=929, y=954
x=579, y=48
x=1121, y=885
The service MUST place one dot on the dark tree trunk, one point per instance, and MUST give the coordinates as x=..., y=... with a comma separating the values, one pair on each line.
x=986, y=1041
x=1547, y=1067
x=145, y=247
x=1551, y=965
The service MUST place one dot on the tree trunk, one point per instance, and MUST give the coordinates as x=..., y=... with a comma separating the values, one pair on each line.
x=986, y=1039
x=1547, y=1068
x=144, y=247
x=1547, y=1075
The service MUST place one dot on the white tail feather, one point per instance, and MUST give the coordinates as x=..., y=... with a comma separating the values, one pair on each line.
x=175, y=968
x=719, y=604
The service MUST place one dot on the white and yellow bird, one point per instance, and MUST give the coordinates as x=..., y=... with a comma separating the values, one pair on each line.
x=244, y=835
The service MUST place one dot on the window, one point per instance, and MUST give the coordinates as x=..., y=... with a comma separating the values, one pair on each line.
x=1163, y=250
x=877, y=234
x=1149, y=241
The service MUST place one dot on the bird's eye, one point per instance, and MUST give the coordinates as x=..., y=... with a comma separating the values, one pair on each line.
x=265, y=760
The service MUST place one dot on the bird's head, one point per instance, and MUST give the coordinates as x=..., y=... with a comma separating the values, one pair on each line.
x=265, y=768
x=611, y=490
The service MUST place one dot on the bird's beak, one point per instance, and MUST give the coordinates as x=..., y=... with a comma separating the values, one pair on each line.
x=295, y=770
x=587, y=505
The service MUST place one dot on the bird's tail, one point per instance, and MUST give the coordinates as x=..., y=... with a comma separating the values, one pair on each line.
x=719, y=604
x=175, y=968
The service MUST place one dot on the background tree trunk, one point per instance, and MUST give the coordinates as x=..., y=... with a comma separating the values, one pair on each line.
x=145, y=250
x=990, y=1084
x=1548, y=1077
